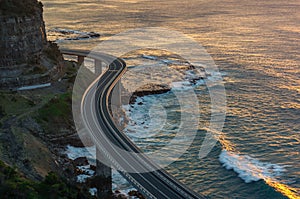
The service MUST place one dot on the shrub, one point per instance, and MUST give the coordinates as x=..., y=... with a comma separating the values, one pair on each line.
x=20, y=7
x=13, y=185
x=58, y=107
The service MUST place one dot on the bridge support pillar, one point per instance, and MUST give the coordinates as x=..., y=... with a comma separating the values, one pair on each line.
x=98, y=67
x=104, y=177
x=80, y=60
x=116, y=95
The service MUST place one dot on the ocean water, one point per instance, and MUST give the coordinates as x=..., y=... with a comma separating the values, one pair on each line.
x=255, y=45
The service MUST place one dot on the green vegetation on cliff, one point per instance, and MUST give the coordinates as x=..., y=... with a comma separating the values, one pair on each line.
x=13, y=104
x=34, y=126
x=59, y=107
x=14, y=185
x=19, y=7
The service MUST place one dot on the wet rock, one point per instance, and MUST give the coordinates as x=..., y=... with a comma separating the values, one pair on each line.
x=94, y=35
x=149, y=89
x=70, y=138
x=118, y=195
x=93, y=168
x=195, y=80
x=81, y=161
x=136, y=194
x=66, y=34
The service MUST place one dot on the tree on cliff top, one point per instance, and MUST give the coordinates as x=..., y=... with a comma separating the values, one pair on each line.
x=19, y=7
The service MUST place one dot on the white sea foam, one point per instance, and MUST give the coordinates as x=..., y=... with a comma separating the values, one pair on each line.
x=93, y=191
x=149, y=57
x=192, y=79
x=66, y=31
x=167, y=61
x=82, y=178
x=86, y=169
x=119, y=183
x=248, y=168
x=77, y=152
x=183, y=85
x=147, y=117
x=60, y=34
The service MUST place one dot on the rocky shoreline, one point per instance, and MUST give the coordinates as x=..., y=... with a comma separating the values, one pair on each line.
x=149, y=89
x=59, y=34
x=82, y=163
x=49, y=129
x=54, y=130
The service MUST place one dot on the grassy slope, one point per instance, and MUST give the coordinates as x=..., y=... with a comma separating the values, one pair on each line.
x=14, y=138
x=51, y=110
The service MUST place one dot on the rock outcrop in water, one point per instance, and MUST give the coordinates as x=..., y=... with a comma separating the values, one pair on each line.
x=149, y=89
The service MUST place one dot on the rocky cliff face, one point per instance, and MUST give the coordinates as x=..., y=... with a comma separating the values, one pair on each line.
x=22, y=44
x=34, y=124
x=22, y=36
x=21, y=39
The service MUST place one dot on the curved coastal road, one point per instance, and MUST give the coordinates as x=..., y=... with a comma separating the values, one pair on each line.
x=156, y=183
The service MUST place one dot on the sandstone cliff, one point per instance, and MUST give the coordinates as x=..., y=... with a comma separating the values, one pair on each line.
x=24, y=50
x=26, y=58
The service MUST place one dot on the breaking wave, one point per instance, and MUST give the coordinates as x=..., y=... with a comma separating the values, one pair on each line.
x=248, y=168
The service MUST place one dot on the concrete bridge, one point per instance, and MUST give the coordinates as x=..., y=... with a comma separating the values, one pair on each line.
x=99, y=64
x=103, y=172
x=144, y=174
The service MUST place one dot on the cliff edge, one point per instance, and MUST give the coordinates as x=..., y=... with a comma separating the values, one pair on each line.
x=26, y=57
